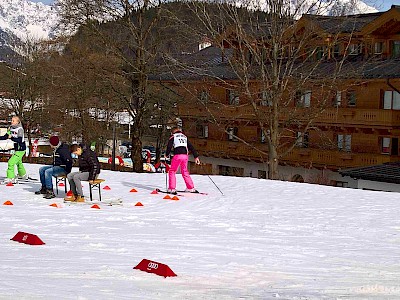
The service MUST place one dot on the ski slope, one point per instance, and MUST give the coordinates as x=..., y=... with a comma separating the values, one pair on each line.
x=262, y=239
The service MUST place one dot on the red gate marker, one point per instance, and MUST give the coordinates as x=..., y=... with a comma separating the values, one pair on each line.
x=155, y=268
x=27, y=238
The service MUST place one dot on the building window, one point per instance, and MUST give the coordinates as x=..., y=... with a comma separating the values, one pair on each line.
x=385, y=145
x=232, y=134
x=202, y=131
x=355, y=49
x=338, y=99
x=233, y=97
x=302, y=139
x=396, y=49
x=303, y=99
x=230, y=171
x=320, y=53
x=336, y=51
x=351, y=98
x=344, y=142
x=262, y=174
x=391, y=100
x=265, y=99
x=378, y=48
x=203, y=96
x=262, y=136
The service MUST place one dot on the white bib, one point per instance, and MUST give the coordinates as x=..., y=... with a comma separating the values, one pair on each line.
x=180, y=140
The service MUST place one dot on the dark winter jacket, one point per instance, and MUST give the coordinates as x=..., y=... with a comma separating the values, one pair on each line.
x=62, y=157
x=88, y=162
x=17, y=136
x=180, y=145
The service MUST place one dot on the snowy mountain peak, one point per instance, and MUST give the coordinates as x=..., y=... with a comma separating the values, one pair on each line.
x=27, y=19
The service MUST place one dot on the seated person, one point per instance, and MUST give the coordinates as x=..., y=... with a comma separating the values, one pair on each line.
x=89, y=169
x=62, y=165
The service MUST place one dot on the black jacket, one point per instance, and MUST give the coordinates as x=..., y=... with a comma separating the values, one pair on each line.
x=88, y=162
x=62, y=157
x=184, y=148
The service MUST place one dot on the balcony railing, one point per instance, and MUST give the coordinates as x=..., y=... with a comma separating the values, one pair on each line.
x=298, y=156
x=330, y=116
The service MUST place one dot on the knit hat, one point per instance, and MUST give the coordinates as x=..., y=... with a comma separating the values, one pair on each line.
x=54, y=141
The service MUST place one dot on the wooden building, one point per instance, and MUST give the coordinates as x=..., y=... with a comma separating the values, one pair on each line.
x=358, y=124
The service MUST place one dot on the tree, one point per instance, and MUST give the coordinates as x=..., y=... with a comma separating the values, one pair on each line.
x=275, y=60
x=25, y=85
x=130, y=34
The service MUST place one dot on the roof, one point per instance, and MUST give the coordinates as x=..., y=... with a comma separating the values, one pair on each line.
x=210, y=65
x=344, y=24
x=388, y=172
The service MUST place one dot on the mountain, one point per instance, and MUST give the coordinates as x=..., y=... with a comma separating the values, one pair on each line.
x=22, y=20
x=27, y=20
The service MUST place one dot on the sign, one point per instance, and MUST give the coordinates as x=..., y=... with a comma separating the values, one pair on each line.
x=27, y=238
x=155, y=268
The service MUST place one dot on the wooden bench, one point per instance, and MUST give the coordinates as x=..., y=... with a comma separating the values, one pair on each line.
x=61, y=178
x=95, y=185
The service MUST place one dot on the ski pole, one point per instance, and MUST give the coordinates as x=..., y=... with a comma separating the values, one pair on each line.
x=216, y=185
x=213, y=182
x=166, y=173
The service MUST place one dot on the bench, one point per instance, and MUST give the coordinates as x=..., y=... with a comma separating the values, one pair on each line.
x=92, y=186
x=95, y=185
x=61, y=178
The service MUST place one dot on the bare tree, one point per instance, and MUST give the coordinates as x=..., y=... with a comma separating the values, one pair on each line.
x=127, y=32
x=25, y=85
x=277, y=62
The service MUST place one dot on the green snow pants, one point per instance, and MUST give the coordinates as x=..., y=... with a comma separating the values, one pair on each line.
x=16, y=160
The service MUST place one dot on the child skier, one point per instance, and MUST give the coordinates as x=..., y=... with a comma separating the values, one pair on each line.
x=89, y=169
x=178, y=142
x=16, y=134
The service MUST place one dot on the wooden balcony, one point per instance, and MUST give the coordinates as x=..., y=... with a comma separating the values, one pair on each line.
x=297, y=157
x=331, y=116
x=335, y=159
x=359, y=116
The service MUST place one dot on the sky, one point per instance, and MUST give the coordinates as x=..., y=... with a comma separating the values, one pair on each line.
x=381, y=5
x=256, y=239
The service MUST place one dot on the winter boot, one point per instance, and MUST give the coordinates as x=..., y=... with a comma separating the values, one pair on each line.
x=49, y=194
x=43, y=191
x=80, y=198
x=71, y=198
x=172, y=191
x=25, y=177
x=9, y=180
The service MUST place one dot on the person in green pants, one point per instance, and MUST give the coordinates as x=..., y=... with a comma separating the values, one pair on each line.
x=16, y=134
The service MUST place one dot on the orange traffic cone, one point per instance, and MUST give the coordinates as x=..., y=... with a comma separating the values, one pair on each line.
x=167, y=197
x=106, y=188
x=175, y=198
x=133, y=191
x=154, y=192
x=139, y=204
x=54, y=205
x=8, y=202
x=95, y=206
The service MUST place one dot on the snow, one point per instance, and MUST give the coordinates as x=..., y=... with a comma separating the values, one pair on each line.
x=261, y=239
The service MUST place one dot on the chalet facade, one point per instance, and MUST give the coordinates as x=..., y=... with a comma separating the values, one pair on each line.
x=324, y=126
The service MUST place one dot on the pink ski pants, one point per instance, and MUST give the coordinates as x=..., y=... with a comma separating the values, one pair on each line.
x=179, y=160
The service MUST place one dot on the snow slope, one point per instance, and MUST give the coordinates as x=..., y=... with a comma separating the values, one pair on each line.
x=262, y=239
